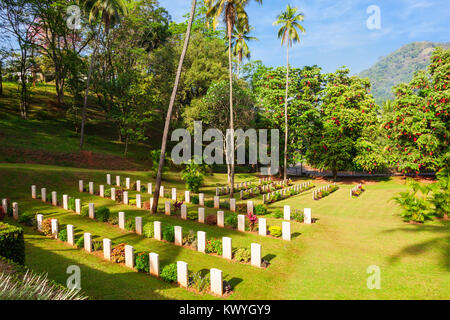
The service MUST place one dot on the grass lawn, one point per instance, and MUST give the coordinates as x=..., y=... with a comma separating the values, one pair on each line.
x=326, y=260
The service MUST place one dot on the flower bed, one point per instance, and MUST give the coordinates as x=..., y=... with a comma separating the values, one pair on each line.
x=356, y=191
x=289, y=192
x=324, y=191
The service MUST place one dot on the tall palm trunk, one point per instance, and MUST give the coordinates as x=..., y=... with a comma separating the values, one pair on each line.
x=86, y=93
x=230, y=68
x=169, y=111
x=286, y=114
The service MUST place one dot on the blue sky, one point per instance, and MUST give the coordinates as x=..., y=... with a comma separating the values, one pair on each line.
x=336, y=30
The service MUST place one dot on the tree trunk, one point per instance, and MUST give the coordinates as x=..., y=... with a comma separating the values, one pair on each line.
x=126, y=146
x=230, y=69
x=1, y=78
x=286, y=113
x=86, y=94
x=169, y=111
x=335, y=172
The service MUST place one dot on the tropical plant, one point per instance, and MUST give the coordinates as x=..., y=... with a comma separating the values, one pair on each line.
x=414, y=202
x=141, y=262
x=199, y=281
x=242, y=255
x=289, y=21
x=275, y=231
x=148, y=230
x=239, y=44
x=192, y=176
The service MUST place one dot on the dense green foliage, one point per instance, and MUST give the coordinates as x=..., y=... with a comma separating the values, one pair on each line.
x=12, y=245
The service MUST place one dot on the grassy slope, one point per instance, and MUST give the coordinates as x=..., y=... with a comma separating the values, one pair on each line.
x=326, y=260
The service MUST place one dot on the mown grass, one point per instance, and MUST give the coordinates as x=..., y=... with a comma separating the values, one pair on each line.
x=326, y=260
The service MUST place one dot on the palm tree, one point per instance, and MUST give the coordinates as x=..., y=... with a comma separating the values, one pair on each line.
x=240, y=47
x=169, y=111
x=289, y=21
x=110, y=12
x=233, y=13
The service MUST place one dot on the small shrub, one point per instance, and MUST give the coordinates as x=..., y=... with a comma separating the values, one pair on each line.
x=278, y=214
x=97, y=245
x=199, y=282
x=169, y=273
x=12, y=245
x=118, y=253
x=195, y=199
x=241, y=208
x=114, y=220
x=62, y=235
x=141, y=262
x=214, y=246
x=231, y=220
x=107, y=193
x=130, y=225
x=211, y=219
x=275, y=231
x=168, y=233
x=102, y=214
x=27, y=218
x=46, y=227
x=260, y=209
x=242, y=254
x=80, y=242
x=209, y=203
x=225, y=205
x=252, y=219
x=148, y=230
x=297, y=216
x=192, y=215
x=71, y=204
x=132, y=202
x=190, y=238
x=85, y=211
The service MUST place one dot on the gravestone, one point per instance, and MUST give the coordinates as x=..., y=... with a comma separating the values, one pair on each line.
x=154, y=264
x=122, y=220
x=161, y=191
x=39, y=219
x=307, y=216
x=70, y=235
x=241, y=194
x=220, y=219
x=201, y=241
x=54, y=198
x=201, y=215
x=65, y=202
x=113, y=194
x=216, y=202
x=107, y=249
x=80, y=185
x=178, y=235
x=241, y=222
x=183, y=212
x=102, y=191
x=233, y=205
x=174, y=194
x=125, y=197
x=167, y=208
x=15, y=207
x=108, y=179
x=187, y=196
x=33, y=191
x=129, y=256
x=138, y=224
x=227, y=249
x=216, y=281
x=286, y=230
x=78, y=206
x=157, y=230
x=91, y=187
x=118, y=181
x=5, y=205
x=87, y=242
x=151, y=203
x=44, y=194
x=287, y=213
x=249, y=207
x=149, y=188
x=91, y=211
x=138, y=201
x=55, y=228
x=127, y=183
x=256, y=255
x=138, y=185
x=182, y=274
x=262, y=227
x=201, y=199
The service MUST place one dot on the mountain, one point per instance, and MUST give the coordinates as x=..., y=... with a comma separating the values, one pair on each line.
x=399, y=66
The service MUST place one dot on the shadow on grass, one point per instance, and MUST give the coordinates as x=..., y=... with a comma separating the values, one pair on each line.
x=441, y=242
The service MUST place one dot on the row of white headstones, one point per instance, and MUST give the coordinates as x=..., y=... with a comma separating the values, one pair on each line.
x=216, y=278
x=245, y=185
x=297, y=187
x=324, y=188
x=201, y=235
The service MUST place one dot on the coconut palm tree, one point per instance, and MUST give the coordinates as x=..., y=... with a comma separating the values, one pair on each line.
x=169, y=111
x=233, y=13
x=289, y=21
x=239, y=44
x=110, y=12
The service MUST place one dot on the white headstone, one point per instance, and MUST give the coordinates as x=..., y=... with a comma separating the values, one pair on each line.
x=183, y=212
x=287, y=213
x=227, y=249
x=125, y=197
x=39, y=219
x=262, y=227
x=127, y=183
x=241, y=222
x=118, y=181
x=220, y=219
x=216, y=281
x=187, y=196
x=70, y=235
x=102, y=191
x=107, y=249
x=33, y=191
x=113, y=194
x=151, y=203
x=55, y=228
x=286, y=230
x=44, y=194
x=201, y=215
x=307, y=215
x=122, y=220
x=5, y=205
x=149, y=188
x=161, y=191
x=138, y=201
x=54, y=198
x=178, y=235
x=91, y=211
x=256, y=255
x=154, y=264
x=15, y=207
x=174, y=194
x=138, y=223
x=201, y=199
x=80, y=185
x=167, y=208
x=138, y=185
x=91, y=187
x=233, y=204
x=65, y=201
x=108, y=179
x=87, y=242
x=157, y=230
x=182, y=273
x=216, y=202
x=129, y=256
x=249, y=207
x=78, y=206
x=201, y=241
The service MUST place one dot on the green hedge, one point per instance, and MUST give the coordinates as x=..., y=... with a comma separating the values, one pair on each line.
x=12, y=245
